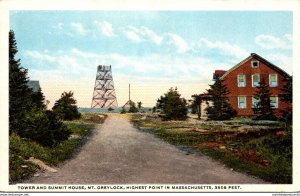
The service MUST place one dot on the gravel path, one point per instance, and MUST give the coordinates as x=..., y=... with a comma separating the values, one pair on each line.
x=118, y=153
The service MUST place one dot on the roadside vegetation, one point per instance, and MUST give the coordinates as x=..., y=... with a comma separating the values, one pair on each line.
x=47, y=136
x=22, y=149
x=257, y=146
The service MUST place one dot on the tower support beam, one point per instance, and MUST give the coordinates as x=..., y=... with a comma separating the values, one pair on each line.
x=104, y=95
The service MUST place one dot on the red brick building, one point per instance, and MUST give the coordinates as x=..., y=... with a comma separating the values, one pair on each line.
x=242, y=79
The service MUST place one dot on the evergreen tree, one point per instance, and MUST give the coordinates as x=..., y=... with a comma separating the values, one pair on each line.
x=287, y=97
x=263, y=109
x=19, y=93
x=132, y=107
x=196, y=105
x=139, y=105
x=38, y=99
x=220, y=109
x=66, y=107
x=27, y=114
x=173, y=106
x=154, y=109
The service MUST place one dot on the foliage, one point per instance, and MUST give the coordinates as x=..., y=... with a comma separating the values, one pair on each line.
x=196, y=101
x=132, y=107
x=110, y=109
x=66, y=107
x=27, y=115
x=266, y=156
x=220, y=109
x=139, y=105
x=154, y=109
x=21, y=149
x=263, y=109
x=287, y=97
x=173, y=106
x=123, y=111
x=44, y=128
x=38, y=99
x=91, y=118
x=20, y=101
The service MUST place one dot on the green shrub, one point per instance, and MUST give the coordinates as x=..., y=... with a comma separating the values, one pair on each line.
x=66, y=107
x=45, y=128
x=173, y=106
x=21, y=149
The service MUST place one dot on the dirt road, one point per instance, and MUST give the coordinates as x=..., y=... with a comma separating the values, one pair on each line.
x=118, y=153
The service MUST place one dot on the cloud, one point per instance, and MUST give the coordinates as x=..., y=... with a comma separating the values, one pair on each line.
x=105, y=28
x=143, y=33
x=58, y=26
x=282, y=61
x=179, y=42
x=224, y=47
x=39, y=56
x=289, y=37
x=272, y=42
x=147, y=33
x=79, y=28
x=150, y=75
x=133, y=36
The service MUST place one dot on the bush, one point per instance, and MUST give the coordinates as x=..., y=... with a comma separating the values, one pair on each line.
x=173, y=106
x=45, y=128
x=21, y=149
x=123, y=111
x=110, y=109
x=132, y=107
x=66, y=107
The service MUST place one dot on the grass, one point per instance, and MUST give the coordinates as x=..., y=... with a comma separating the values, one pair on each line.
x=21, y=149
x=257, y=151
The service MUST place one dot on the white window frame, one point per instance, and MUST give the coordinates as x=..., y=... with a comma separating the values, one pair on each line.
x=239, y=102
x=254, y=100
x=252, y=64
x=244, y=80
x=270, y=80
x=253, y=81
x=276, y=99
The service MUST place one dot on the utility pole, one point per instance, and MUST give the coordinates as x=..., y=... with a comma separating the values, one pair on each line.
x=129, y=100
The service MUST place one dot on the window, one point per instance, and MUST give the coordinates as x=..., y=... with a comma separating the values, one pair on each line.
x=241, y=80
x=254, y=102
x=255, y=64
x=273, y=80
x=274, y=101
x=241, y=102
x=255, y=80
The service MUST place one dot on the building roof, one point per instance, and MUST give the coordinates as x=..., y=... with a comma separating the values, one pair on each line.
x=34, y=85
x=218, y=73
x=261, y=59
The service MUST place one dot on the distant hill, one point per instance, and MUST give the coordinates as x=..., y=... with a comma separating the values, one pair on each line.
x=105, y=110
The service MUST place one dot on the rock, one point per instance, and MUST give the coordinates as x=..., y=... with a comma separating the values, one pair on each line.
x=41, y=164
x=36, y=175
x=144, y=118
x=24, y=166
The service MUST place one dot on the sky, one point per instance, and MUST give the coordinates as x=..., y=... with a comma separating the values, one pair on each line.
x=151, y=50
